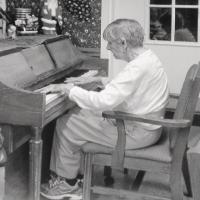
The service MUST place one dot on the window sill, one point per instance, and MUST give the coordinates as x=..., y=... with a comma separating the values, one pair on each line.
x=170, y=43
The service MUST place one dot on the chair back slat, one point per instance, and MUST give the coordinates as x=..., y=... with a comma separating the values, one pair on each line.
x=185, y=110
x=194, y=96
x=188, y=99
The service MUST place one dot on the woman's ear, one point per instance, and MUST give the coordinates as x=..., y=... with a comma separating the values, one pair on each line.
x=123, y=41
x=124, y=44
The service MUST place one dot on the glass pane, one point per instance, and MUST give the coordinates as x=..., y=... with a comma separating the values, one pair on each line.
x=161, y=2
x=160, y=24
x=187, y=2
x=186, y=24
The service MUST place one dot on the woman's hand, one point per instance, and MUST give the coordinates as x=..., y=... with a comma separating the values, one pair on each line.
x=63, y=89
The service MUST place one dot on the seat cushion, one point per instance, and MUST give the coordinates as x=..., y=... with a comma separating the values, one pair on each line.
x=157, y=152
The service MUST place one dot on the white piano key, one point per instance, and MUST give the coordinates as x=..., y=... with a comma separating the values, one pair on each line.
x=82, y=78
x=51, y=97
x=90, y=73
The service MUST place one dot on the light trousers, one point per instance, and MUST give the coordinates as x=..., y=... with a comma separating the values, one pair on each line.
x=80, y=126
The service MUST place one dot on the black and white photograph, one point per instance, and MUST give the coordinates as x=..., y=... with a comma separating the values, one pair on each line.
x=99, y=99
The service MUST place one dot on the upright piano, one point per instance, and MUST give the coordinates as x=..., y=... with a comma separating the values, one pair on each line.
x=23, y=111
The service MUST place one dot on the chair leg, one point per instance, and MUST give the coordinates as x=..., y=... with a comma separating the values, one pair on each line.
x=138, y=180
x=87, y=180
x=2, y=182
x=194, y=167
x=107, y=171
x=186, y=176
x=109, y=180
x=176, y=185
x=81, y=170
x=126, y=171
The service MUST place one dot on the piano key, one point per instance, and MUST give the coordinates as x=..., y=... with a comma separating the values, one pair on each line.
x=51, y=97
x=83, y=77
x=90, y=73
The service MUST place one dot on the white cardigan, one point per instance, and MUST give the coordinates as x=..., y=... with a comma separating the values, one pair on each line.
x=140, y=88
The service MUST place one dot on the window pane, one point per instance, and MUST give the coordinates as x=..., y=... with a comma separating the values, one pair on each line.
x=160, y=23
x=186, y=24
x=161, y=2
x=187, y=2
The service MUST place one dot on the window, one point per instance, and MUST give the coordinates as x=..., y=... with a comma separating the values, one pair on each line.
x=174, y=21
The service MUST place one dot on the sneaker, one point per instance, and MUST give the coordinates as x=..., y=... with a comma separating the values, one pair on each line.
x=76, y=195
x=57, y=188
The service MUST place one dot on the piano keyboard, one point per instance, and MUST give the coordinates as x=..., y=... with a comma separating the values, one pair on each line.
x=56, y=96
x=90, y=73
x=51, y=97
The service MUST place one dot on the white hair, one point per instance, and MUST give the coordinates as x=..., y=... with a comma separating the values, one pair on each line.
x=128, y=29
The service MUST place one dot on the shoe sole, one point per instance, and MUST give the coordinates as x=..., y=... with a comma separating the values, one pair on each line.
x=58, y=197
x=75, y=197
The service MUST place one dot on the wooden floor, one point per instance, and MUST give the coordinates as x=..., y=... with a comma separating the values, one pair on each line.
x=17, y=179
x=17, y=175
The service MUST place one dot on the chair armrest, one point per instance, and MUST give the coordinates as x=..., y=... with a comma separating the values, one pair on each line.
x=119, y=152
x=173, y=123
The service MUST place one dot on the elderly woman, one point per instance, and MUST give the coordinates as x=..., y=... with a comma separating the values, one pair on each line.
x=140, y=88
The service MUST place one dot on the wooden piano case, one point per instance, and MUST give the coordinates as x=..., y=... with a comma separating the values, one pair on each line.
x=24, y=112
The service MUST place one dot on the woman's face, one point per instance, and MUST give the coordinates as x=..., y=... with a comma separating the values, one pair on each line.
x=116, y=47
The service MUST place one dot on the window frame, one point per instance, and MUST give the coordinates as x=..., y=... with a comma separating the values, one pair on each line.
x=173, y=6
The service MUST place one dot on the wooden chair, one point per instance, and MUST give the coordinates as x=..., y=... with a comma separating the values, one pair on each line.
x=193, y=156
x=166, y=156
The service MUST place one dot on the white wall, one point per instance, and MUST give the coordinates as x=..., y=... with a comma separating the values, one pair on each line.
x=176, y=59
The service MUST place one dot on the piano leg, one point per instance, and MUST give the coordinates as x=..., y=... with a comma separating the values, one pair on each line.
x=2, y=182
x=35, y=164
